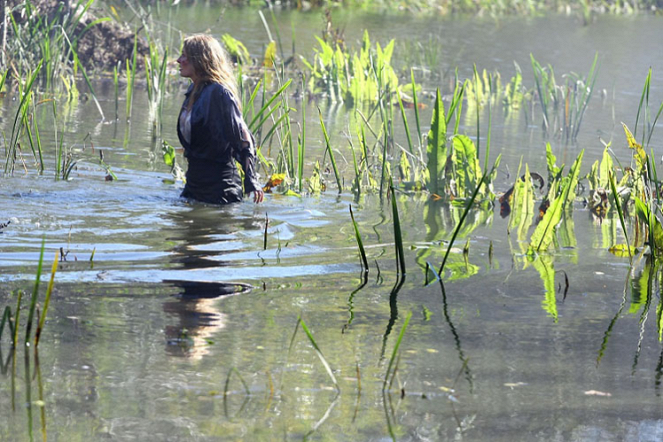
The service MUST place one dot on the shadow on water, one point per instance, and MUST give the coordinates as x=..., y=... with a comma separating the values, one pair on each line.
x=201, y=234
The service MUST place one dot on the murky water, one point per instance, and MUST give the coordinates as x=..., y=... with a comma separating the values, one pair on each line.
x=181, y=325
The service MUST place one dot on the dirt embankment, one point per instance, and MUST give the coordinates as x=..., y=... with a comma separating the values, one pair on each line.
x=101, y=47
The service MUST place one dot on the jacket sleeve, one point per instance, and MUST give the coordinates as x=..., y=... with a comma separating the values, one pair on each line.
x=243, y=145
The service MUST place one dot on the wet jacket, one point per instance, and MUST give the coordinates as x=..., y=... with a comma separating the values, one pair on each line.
x=218, y=133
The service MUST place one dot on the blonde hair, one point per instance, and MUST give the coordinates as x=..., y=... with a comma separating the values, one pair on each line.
x=211, y=64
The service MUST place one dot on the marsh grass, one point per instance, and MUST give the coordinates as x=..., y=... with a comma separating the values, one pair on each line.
x=360, y=243
x=13, y=324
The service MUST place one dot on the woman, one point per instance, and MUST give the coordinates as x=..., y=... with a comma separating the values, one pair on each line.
x=211, y=128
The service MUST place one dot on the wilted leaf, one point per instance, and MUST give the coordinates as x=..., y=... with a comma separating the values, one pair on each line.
x=274, y=181
x=640, y=154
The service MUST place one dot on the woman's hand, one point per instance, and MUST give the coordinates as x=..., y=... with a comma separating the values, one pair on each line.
x=258, y=196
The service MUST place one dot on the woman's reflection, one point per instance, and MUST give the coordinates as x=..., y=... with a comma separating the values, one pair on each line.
x=200, y=233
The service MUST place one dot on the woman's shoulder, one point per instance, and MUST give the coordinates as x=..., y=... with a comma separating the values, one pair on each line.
x=219, y=91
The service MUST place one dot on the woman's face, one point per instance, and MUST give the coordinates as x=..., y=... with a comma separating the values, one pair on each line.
x=186, y=67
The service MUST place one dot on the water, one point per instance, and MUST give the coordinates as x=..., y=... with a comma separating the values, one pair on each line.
x=180, y=300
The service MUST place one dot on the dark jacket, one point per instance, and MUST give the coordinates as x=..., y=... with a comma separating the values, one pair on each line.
x=218, y=133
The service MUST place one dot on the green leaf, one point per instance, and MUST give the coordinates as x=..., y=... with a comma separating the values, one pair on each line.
x=437, y=147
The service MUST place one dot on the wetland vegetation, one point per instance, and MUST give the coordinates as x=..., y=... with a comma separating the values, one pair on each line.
x=463, y=236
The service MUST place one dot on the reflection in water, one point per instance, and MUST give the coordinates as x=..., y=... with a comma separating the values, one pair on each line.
x=29, y=402
x=393, y=311
x=198, y=318
x=201, y=234
x=364, y=281
x=461, y=356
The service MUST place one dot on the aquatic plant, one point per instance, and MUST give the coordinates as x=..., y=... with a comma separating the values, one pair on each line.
x=13, y=324
x=352, y=77
x=360, y=243
x=563, y=106
x=561, y=196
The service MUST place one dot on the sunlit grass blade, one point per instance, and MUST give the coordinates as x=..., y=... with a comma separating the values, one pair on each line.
x=131, y=78
x=618, y=205
x=644, y=100
x=89, y=84
x=319, y=353
x=360, y=243
x=26, y=97
x=19, y=299
x=394, y=353
x=35, y=293
x=405, y=125
x=544, y=233
x=416, y=106
x=302, y=142
x=260, y=118
x=47, y=301
x=331, y=153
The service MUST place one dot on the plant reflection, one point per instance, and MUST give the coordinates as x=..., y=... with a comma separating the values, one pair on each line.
x=28, y=378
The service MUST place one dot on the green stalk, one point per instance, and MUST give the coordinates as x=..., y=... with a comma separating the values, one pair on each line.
x=398, y=235
x=16, y=319
x=476, y=96
x=644, y=98
x=618, y=204
x=331, y=153
x=35, y=293
x=131, y=77
x=461, y=221
x=89, y=84
x=16, y=128
x=47, y=301
x=360, y=243
x=252, y=125
x=405, y=125
x=302, y=144
x=416, y=106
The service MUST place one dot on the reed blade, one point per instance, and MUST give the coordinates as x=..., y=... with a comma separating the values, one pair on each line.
x=35, y=293
x=47, y=301
x=398, y=234
x=360, y=243
x=331, y=153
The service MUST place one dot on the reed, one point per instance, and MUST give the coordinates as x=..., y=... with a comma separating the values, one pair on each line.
x=360, y=243
x=35, y=293
x=461, y=221
x=47, y=301
x=331, y=153
x=398, y=234
x=26, y=94
x=620, y=212
x=131, y=69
